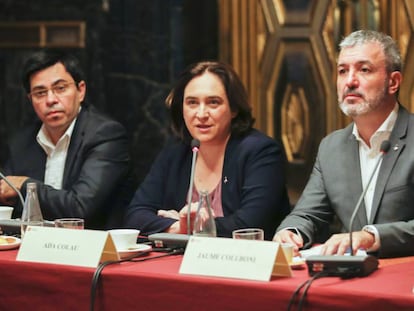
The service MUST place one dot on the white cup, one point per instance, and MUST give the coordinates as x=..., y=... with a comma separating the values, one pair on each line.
x=288, y=250
x=6, y=212
x=124, y=238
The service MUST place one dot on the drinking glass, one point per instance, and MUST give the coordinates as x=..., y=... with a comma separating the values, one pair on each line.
x=70, y=223
x=249, y=234
x=288, y=250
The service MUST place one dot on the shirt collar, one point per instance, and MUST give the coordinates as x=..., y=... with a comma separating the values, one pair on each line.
x=385, y=128
x=45, y=142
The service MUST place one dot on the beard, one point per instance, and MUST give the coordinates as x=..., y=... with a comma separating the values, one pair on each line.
x=368, y=105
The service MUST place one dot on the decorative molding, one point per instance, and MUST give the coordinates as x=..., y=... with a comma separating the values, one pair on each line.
x=62, y=34
x=295, y=124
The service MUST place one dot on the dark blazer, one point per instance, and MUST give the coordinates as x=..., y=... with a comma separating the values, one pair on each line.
x=335, y=186
x=96, y=180
x=253, y=187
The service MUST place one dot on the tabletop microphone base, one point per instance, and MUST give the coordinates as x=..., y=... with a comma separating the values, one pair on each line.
x=342, y=266
x=169, y=240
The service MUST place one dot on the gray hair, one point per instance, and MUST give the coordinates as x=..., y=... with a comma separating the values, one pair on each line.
x=389, y=46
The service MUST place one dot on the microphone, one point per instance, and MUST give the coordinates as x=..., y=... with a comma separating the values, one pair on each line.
x=14, y=188
x=179, y=240
x=349, y=266
x=195, y=145
x=169, y=240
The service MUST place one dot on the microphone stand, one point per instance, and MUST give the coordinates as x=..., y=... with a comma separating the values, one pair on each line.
x=195, y=145
x=385, y=146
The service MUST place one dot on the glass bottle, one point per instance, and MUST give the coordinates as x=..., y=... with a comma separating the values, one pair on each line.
x=204, y=224
x=31, y=215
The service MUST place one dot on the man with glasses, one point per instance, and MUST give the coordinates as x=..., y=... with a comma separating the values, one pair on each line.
x=78, y=157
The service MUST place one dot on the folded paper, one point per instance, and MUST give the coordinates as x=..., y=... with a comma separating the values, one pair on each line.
x=85, y=248
x=234, y=258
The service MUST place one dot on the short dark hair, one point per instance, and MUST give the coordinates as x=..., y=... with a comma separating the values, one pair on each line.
x=235, y=91
x=47, y=57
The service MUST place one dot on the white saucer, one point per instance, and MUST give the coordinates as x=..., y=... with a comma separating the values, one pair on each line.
x=297, y=263
x=134, y=250
x=15, y=242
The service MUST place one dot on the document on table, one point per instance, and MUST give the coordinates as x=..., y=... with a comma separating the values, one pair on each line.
x=316, y=250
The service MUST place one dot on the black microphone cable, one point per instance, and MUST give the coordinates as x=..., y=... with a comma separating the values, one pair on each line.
x=306, y=285
x=133, y=258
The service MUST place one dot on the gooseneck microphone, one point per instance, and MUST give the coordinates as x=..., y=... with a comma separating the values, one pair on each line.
x=179, y=240
x=348, y=266
x=195, y=145
x=385, y=147
x=14, y=188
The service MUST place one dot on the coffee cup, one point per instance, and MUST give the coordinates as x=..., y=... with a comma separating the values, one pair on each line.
x=124, y=238
x=6, y=212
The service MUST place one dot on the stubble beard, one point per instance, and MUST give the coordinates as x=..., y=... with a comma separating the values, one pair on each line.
x=353, y=110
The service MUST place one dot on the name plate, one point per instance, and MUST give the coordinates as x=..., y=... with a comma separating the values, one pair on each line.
x=85, y=248
x=234, y=258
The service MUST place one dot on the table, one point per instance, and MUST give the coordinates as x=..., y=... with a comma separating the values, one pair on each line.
x=157, y=285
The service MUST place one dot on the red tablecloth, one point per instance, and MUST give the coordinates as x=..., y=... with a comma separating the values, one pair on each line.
x=157, y=285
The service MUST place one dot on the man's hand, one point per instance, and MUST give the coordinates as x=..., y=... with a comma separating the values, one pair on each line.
x=287, y=236
x=7, y=193
x=338, y=244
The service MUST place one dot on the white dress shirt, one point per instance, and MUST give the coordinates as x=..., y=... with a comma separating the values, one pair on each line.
x=56, y=155
x=368, y=157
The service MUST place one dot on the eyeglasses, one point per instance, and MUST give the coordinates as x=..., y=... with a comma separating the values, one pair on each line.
x=60, y=89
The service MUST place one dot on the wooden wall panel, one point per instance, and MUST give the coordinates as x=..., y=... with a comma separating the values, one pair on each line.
x=285, y=53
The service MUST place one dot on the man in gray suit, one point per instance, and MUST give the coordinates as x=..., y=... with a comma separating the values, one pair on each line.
x=368, y=79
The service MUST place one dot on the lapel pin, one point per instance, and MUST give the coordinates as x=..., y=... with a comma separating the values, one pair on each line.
x=226, y=180
x=396, y=147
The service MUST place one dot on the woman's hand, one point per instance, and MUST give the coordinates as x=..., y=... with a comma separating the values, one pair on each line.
x=169, y=214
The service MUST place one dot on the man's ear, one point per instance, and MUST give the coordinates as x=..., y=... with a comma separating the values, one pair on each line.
x=82, y=90
x=395, y=80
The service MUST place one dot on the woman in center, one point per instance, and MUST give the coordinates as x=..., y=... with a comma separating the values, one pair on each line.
x=241, y=168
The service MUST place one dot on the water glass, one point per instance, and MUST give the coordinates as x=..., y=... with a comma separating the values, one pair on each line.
x=70, y=223
x=249, y=234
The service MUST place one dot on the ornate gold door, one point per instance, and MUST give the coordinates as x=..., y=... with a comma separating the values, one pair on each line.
x=285, y=53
